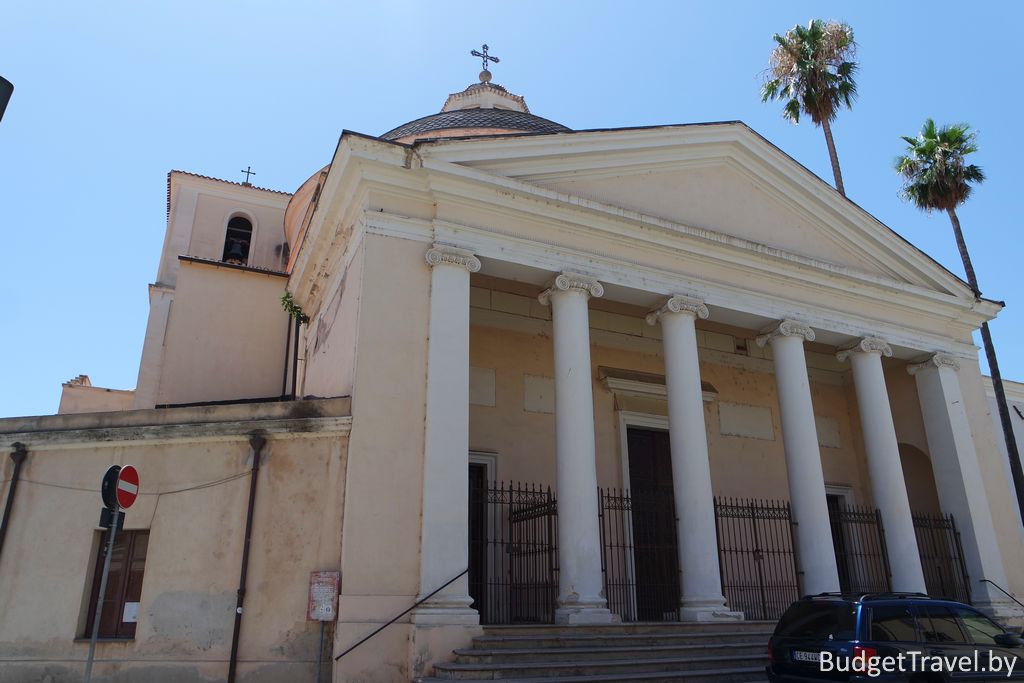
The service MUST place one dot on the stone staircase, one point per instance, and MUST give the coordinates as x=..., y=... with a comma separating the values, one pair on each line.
x=697, y=653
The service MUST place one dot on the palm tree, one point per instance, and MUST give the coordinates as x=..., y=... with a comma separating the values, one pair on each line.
x=936, y=176
x=812, y=68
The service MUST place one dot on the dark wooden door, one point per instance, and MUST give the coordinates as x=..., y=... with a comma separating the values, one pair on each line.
x=655, y=549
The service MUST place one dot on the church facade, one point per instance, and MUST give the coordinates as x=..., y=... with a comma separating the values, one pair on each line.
x=525, y=375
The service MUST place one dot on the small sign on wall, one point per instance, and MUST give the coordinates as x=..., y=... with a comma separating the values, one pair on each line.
x=323, y=596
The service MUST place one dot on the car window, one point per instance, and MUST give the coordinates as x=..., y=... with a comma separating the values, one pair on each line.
x=940, y=625
x=817, y=620
x=980, y=629
x=893, y=623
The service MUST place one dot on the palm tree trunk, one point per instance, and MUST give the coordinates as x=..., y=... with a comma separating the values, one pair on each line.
x=965, y=256
x=833, y=157
x=1012, y=453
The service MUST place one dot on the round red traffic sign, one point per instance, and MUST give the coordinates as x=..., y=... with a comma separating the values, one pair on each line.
x=127, y=486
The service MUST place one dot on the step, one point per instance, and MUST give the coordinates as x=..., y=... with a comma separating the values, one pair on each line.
x=634, y=627
x=470, y=671
x=725, y=675
x=508, y=655
x=616, y=639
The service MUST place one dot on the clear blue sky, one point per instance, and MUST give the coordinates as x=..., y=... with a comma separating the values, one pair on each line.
x=110, y=97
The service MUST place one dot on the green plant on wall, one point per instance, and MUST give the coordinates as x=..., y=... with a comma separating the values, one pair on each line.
x=293, y=309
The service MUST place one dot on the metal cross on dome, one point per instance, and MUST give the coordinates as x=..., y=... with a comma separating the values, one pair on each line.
x=484, y=56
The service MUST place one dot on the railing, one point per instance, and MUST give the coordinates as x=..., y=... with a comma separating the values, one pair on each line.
x=942, y=557
x=513, y=553
x=1002, y=590
x=861, y=555
x=640, y=558
x=756, y=556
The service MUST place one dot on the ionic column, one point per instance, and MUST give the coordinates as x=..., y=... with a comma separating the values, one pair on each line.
x=883, y=455
x=803, y=458
x=581, y=589
x=701, y=583
x=445, y=528
x=958, y=477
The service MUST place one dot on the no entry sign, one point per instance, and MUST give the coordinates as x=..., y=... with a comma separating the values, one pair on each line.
x=127, y=486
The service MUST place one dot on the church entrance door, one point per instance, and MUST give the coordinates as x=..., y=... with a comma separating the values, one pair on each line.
x=653, y=523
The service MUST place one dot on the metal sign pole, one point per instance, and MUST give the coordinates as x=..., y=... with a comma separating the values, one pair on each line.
x=320, y=652
x=101, y=596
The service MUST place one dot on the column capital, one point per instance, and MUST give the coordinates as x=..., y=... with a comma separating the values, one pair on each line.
x=444, y=254
x=686, y=305
x=786, y=328
x=937, y=360
x=865, y=345
x=568, y=281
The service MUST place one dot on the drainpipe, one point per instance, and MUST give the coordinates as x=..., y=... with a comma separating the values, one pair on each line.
x=256, y=442
x=18, y=456
x=295, y=359
x=287, y=344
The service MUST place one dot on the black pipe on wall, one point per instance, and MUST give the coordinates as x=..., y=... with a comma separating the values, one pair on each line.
x=18, y=456
x=256, y=442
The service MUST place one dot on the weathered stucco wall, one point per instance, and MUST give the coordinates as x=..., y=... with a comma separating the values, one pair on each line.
x=511, y=337
x=384, y=481
x=75, y=398
x=225, y=336
x=330, y=348
x=192, y=569
x=211, y=220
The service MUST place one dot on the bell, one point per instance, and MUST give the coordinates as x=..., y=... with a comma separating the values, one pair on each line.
x=235, y=254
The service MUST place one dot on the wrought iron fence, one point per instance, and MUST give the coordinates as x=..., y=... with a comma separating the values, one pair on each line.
x=513, y=553
x=861, y=556
x=942, y=558
x=757, y=556
x=640, y=558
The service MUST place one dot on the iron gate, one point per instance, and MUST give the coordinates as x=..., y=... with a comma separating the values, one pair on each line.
x=756, y=556
x=640, y=557
x=514, y=553
x=861, y=556
x=942, y=558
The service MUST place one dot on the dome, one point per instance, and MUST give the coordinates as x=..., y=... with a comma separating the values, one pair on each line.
x=483, y=108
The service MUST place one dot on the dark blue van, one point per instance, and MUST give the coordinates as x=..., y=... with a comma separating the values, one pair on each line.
x=891, y=637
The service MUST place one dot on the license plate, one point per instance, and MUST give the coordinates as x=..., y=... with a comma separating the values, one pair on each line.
x=802, y=656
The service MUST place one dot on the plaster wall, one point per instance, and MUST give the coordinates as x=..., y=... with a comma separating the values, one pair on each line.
x=192, y=569
x=330, y=349
x=211, y=219
x=717, y=197
x=518, y=348
x=380, y=550
x=80, y=399
x=225, y=336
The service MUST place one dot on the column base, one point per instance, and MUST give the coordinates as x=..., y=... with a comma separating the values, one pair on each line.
x=1008, y=614
x=707, y=609
x=578, y=613
x=446, y=611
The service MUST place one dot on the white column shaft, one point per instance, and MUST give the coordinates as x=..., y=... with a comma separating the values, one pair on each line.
x=691, y=471
x=445, y=531
x=958, y=478
x=887, y=483
x=803, y=467
x=581, y=588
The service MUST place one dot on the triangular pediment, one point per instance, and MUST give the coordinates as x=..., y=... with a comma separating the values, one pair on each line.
x=721, y=178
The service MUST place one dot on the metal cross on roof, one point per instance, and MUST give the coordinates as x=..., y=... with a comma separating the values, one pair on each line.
x=484, y=56
x=248, y=172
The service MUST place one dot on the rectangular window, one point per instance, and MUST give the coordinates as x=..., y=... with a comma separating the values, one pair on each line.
x=940, y=625
x=124, y=585
x=893, y=623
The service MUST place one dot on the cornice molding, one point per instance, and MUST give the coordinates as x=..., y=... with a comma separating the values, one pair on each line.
x=937, y=360
x=447, y=255
x=568, y=281
x=865, y=345
x=786, y=328
x=686, y=305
